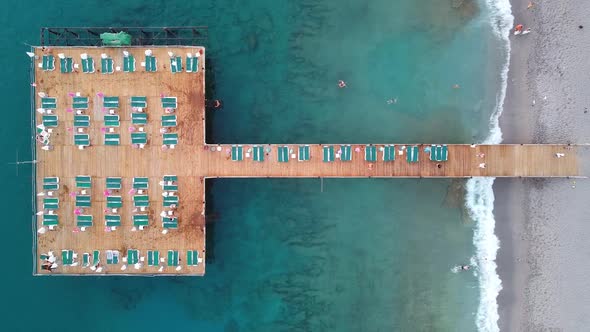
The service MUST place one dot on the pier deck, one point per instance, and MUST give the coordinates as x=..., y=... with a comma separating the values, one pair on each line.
x=192, y=160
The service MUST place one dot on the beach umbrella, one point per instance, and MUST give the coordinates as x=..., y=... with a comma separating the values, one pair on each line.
x=77, y=211
x=100, y=94
x=31, y=54
x=164, y=147
x=73, y=194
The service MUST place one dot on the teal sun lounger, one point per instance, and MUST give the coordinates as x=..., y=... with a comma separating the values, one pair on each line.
x=328, y=153
x=304, y=153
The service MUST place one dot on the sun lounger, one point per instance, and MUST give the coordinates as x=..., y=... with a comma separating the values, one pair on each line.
x=50, y=183
x=82, y=121
x=283, y=154
x=328, y=153
x=139, y=101
x=140, y=220
x=84, y=220
x=83, y=181
x=141, y=201
x=110, y=102
x=370, y=153
x=87, y=65
x=48, y=63
x=237, y=153
x=66, y=65
x=303, y=153
x=82, y=139
x=50, y=203
x=114, y=202
x=172, y=257
x=412, y=153
x=170, y=178
x=49, y=103
x=169, y=102
x=169, y=120
x=389, y=153
x=151, y=64
x=138, y=138
x=444, y=153
x=153, y=258
x=169, y=223
x=176, y=64
x=346, y=153
x=170, y=200
x=106, y=65
x=50, y=220
x=112, y=139
x=113, y=183
x=111, y=121
x=83, y=201
x=192, y=64
x=170, y=139
x=95, y=257
x=132, y=256
x=67, y=257
x=85, y=259
x=80, y=103
x=433, y=153
x=167, y=186
x=129, y=64
x=192, y=257
x=50, y=120
x=258, y=153
x=140, y=183
x=112, y=220
x=112, y=257
x=139, y=118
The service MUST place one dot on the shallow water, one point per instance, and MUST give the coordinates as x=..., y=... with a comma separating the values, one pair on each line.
x=352, y=255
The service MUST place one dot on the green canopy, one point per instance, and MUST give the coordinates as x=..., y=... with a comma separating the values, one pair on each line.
x=115, y=39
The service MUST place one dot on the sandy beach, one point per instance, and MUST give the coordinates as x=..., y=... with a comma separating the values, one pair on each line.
x=544, y=224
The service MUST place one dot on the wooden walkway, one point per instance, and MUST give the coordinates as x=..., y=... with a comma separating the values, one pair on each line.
x=193, y=161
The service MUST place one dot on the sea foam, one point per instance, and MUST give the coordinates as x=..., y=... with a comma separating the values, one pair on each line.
x=479, y=197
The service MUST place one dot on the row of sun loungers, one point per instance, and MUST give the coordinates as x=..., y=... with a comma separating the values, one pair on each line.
x=138, y=103
x=150, y=63
x=344, y=153
x=113, y=257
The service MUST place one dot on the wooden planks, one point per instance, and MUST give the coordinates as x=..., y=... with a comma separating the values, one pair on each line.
x=99, y=161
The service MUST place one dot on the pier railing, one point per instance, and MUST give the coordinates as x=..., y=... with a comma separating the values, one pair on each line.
x=140, y=36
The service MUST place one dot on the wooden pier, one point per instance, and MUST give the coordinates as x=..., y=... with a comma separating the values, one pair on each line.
x=193, y=161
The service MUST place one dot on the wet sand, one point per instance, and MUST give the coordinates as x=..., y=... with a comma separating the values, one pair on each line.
x=544, y=224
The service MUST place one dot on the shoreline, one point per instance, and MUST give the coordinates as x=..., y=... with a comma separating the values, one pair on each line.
x=541, y=222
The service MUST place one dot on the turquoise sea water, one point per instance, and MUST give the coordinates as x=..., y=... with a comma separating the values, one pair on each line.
x=286, y=255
